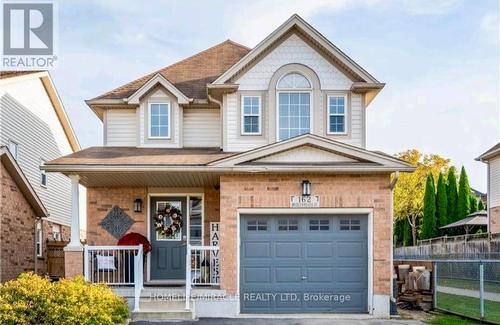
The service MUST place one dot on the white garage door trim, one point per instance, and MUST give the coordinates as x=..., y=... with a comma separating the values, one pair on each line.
x=366, y=211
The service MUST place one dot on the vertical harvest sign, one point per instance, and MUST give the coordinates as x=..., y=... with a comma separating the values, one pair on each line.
x=214, y=255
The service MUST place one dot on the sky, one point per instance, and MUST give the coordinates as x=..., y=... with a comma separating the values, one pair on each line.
x=438, y=58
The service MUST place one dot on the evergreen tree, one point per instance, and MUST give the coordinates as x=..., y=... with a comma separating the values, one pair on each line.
x=441, y=203
x=407, y=237
x=480, y=205
x=429, y=229
x=452, y=195
x=473, y=203
x=463, y=204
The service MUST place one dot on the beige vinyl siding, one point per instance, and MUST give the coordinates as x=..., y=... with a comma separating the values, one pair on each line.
x=121, y=127
x=356, y=115
x=201, y=128
x=494, y=182
x=28, y=118
x=234, y=141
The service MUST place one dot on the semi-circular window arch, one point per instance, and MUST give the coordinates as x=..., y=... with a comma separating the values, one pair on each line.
x=294, y=115
x=293, y=80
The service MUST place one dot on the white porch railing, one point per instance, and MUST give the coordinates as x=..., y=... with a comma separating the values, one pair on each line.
x=202, y=268
x=115, y=265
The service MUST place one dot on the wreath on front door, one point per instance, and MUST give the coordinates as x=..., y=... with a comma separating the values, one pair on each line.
x=168, y=221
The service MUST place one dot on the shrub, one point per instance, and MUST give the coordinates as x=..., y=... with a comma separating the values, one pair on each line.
x=32, y=299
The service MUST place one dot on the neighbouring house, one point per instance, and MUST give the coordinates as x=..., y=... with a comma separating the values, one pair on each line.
x=263, y=153
x=492, y=159
x=35, y=206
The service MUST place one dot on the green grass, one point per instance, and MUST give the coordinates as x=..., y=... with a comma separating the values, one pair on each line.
x=469, y=306
x=451, y=320
x=468, y=284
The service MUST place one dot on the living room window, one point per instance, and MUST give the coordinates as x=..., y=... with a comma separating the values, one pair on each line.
x=251, y=117
x=294, y=106
x=159, y=120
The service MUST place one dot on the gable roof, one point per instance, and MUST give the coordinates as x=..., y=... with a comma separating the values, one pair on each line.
x=22, y=182
x=490, y=153
x=342, y=157
x=48, y=84
x=299, y=24
x=191, y=75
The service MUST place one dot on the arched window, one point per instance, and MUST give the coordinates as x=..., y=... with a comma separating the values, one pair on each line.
x=294, y=106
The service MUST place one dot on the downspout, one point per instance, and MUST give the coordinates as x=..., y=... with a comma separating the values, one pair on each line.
x=391, y=187
x=219, y=103
x=37, y=219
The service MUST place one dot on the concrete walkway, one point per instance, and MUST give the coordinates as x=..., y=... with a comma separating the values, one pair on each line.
x=469, y=293
x=280, y=321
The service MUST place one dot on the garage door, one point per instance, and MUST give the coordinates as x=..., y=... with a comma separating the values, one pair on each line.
x=303, y=264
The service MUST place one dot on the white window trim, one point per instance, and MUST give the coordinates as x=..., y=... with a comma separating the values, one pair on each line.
x=43, y=172
x=243, y=115
x=169, y=120
x=311, y=110
x=39, y=238
x=10, y=142
x=346, y=116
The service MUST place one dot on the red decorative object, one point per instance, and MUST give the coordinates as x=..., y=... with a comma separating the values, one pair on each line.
x=134, y=238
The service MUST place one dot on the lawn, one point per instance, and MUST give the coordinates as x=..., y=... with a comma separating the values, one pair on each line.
x=468, y=306
x=451, y=320
x=468, y=284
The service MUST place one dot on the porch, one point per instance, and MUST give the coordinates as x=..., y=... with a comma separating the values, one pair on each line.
x=123, y=269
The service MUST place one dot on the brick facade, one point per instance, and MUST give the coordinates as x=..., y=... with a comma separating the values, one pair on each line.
x=335, y=191
x=17, y=232
x=494, y=215
x=100, y=200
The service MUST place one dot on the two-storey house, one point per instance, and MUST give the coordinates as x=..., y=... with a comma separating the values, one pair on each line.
x=262, y=153
x=34, y=129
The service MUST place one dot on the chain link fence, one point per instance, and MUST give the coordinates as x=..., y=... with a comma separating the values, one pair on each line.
x=469, y=288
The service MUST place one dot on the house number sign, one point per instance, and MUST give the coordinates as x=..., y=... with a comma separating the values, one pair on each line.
x=310, y=201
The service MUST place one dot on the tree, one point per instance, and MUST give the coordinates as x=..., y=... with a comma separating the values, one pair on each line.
x=409, y=190
x=480, y=205
x=463, y=204
x=452, y=194
x=429, y=229
x=441, y=202
x=473, y=203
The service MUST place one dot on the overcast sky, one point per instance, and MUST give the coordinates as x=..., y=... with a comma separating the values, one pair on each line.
x=439, y=59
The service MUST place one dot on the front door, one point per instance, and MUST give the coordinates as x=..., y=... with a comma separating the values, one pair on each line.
x=168, y=255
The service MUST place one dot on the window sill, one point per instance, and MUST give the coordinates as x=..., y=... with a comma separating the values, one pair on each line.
x=337, y=133
x=159, y=138
x=251, y=134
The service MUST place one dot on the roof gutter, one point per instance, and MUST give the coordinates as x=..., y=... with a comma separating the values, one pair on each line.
x=211, y=169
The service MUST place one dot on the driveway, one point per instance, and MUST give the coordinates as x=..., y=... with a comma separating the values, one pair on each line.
x=281, y=321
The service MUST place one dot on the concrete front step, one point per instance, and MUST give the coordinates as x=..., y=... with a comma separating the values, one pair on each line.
x=162, y=304
x=181, y=314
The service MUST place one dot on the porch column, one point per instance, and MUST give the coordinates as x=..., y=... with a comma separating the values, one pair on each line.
x=73, y=252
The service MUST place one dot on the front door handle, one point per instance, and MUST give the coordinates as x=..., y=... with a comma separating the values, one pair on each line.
x=304, y=277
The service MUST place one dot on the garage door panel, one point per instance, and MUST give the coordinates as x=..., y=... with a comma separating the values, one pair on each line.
x=260, y=275
x=288, y=274
x=319, y=249
x=319, y=274
x=257, y=249
x=290, y=249
x=300, y=256
x=351, y=249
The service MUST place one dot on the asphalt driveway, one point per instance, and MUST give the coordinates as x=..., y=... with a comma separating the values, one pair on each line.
x=305, y=321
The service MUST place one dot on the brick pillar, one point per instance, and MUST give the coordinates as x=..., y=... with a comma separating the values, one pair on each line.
x=73, y=263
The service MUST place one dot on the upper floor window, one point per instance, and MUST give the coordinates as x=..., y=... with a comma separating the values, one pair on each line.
x=14, y=149
x=43, y=174
x=251, y=115
x=159, y=120
x=294, y=106
x=337, y=114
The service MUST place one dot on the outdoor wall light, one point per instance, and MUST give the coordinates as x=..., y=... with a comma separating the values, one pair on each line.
x=306, y=188
x=138, y=205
